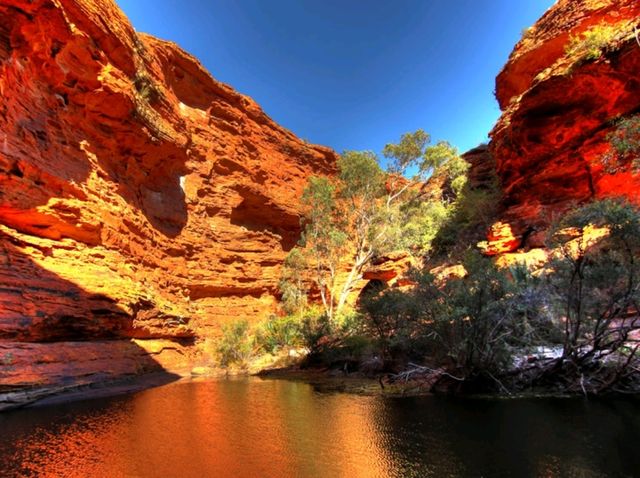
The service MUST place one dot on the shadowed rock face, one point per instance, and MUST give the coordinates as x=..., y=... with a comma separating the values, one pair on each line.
x=558, y=111
x=139, y=197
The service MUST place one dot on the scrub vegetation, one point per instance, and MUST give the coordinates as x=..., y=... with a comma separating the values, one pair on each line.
x=570, y=326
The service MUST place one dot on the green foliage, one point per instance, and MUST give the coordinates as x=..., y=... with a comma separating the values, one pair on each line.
x=341, y=341
x=354, y=216
x=413, y=150
x=469, y=217
x=236, y=344
x=407, y=151
x=625, y=141
x=314, y=328
x=324, y=237
x=280, y=332
x=477, y=321
x=360, y=176
x=292, y=283
x=586, y=301
x=365, y=213
x=594, y=42
x=469, y=325
x=423, y=221
x=596, y=281
x=441, y=153
x=319, y=198
x=395, y=319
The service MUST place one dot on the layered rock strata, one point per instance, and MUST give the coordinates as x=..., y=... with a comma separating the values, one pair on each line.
x=559, y=107
x=139, y=197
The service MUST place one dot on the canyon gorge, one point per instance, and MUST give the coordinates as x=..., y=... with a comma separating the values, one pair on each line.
x=143, y=204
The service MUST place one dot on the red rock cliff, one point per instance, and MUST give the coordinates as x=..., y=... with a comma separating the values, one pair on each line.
x=139, y=197
x=550, y=142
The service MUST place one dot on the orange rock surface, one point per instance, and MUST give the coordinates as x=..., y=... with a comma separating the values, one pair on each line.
x=500, y=240
x=139, y=197
x=550, y=142
x=143, y=203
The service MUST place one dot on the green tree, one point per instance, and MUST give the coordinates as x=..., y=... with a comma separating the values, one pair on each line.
x=367, y=212
x=596, y=281
x=346, y=224
x=403, y=156
x=292, y=283
x=324, y=238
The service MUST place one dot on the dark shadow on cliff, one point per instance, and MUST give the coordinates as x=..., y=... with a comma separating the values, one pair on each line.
x=55, y=336
x=258, y=214
x=37, y=305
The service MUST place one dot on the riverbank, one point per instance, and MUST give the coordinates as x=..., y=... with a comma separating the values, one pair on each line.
x=322, y=380
x=43, y=396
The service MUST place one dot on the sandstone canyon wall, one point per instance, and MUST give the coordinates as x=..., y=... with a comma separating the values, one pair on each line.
x=142, y=202
x=558, y=110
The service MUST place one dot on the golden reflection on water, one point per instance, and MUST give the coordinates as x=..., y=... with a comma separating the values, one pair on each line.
x=235, y=430
x=273, y=428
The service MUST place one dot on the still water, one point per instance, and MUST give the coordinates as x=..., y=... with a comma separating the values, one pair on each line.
x=274, y=428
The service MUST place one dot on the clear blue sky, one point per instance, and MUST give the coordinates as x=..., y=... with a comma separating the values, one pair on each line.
x=353, y=74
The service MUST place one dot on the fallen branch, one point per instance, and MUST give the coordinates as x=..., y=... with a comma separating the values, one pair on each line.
x=421, y=370
x=505, y=389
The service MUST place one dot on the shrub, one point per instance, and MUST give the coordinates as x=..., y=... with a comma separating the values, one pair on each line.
x=470, y=216
x=394, y=319
x=475, y=329
x=235, y=346
x=292, y=285
x=280, y=332
x=422, y=223
x=625, y=143
x=594, y=42
x=469, y=325
x=596, y=279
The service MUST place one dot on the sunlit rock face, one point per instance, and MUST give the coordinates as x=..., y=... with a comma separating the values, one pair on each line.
x=550, y=142
x=139, y=197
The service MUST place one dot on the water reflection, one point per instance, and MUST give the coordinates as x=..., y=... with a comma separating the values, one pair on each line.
x=277, y=429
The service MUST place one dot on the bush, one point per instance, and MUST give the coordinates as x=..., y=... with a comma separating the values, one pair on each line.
x=292, y=283
x=280, y=332
x=470, y=217
x=478, y=323
x=596, y=278
x=236, y=345
x=469, y=325
x=625, y=143
x=594, y=42
x=395, y=320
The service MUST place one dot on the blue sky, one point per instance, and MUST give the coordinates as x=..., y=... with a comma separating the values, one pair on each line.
x=353, y=74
